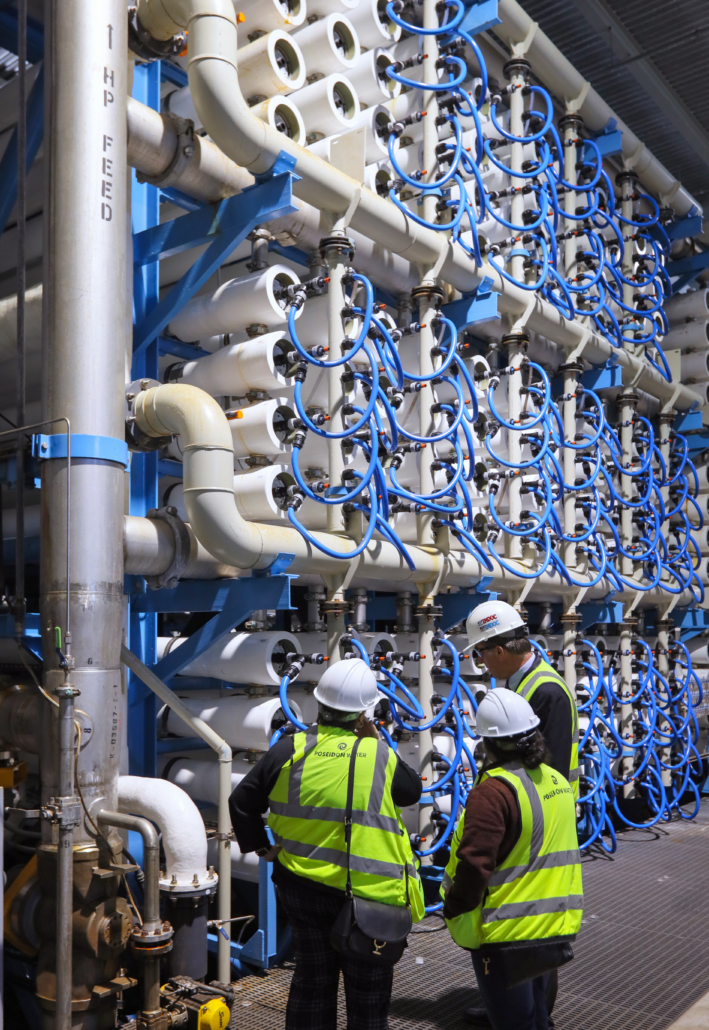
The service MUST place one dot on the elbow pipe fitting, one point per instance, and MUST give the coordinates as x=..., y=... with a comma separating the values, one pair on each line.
x=151, y=861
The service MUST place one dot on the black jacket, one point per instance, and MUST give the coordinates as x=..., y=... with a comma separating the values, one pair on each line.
x=550, y=703
x=249, y=800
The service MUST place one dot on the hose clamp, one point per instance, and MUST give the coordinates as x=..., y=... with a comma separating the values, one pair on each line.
x=171, y=576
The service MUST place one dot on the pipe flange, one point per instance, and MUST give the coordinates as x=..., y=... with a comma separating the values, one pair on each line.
x=171, y=576
x=428, y=611
x=336, y=608
x=187, y=152
x=205, y=882
x=427, y=290
x=146, y=46
x=151, y=943
x=627, y=176
x=571, y=121
x=340, y=244
x=519, y=339
x=136, y=439
x=517, y=66
x=572, y=366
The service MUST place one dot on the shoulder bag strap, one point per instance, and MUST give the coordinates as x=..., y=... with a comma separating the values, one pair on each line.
x=348, y=813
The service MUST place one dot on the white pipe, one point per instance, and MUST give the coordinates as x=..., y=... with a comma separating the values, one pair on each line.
x=329, y=45
x=371, y=89
x=212, y=48
x=271, y=64
x=686, y=336
x=324, y=7
x=208, y=472
x=224, y=828
x=371, y=29
x=695, y=366
x=527, y=40
x=232, y=371
x=327, y=106
x=283, y=116
x=693, y=305
x=252, y=658
x=246, y=722
x=235, y=305
x=264, y=15
x=196, y=773
x=255, y=493
x=184, y=838
x=261, y=428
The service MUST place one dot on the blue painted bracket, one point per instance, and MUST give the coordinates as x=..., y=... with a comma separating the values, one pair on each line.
x=603, y=611
x=682, y=228
x=609, y=144
x=691, y=425
x=168, y=467
x=32, y=637
x=691, y=618
x=223, y=226
x=83, y=445
x=689, y=266
x=8, y=165
x=8, y=34
x=233, y=600
x=457, y=607
x=606, y=377
x=173, y=73
x=480, y=16
x=479, y=306
x=176, y=348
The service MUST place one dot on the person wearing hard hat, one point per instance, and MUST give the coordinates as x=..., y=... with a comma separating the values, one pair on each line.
x=303, y=782
x=512, y=889
x=498, y=637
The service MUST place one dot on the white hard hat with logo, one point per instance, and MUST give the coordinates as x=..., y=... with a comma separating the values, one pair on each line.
x=348, y=686
x=503, y=713
x=494, y=619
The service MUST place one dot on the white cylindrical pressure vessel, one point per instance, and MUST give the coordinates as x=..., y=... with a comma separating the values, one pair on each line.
x=254, y=658
x=257, y=364
x=373, y=25
x=243, y=722
x=265, y=15
x=687, y=336
x=365, y=77
x=324, y=7
x=695, y=366
x=260, y=428
x=327, y=106
x=694, y=305
x=251, y=300
x=260, y=494
x=282, y=114
x=329, y=45
x=243, y=867
x=270, y=65
x=197, y=773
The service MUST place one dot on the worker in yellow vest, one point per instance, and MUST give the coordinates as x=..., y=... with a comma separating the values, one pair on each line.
x=499, y=637
x=303, y=782
x=512, y=889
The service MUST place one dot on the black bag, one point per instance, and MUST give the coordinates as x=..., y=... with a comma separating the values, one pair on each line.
x=364, y=929
x=524, y=961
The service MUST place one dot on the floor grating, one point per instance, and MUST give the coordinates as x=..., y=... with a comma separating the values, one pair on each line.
x=640, y=957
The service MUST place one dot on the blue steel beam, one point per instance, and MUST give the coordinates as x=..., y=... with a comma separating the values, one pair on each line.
x=8, y=165
x=227, y=223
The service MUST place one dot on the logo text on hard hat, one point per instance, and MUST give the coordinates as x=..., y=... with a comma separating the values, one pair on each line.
x=486, y=623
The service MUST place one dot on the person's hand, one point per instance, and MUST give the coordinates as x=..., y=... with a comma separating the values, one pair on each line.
x=366, y=728
x=272, y=854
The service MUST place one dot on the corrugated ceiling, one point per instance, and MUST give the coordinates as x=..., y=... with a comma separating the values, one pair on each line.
x=673, y=37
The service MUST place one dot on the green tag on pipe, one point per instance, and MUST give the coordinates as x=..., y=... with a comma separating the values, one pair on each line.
x=58, y=637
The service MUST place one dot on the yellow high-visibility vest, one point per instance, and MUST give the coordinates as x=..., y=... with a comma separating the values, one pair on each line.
x=307, y=817
x=537, y=891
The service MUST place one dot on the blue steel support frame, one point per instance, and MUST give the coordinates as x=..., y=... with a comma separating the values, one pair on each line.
x=8, y=165
x=142, y=625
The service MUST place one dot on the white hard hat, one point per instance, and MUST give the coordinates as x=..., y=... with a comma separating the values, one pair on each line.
x=503, y=713
x=348, y=686
x=493, y=619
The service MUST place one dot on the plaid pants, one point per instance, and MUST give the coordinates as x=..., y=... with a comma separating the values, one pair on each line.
x=312, y=1002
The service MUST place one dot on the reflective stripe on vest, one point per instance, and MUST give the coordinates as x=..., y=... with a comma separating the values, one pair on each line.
x=536, y=892
x=544, y=673
x=307, y=818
